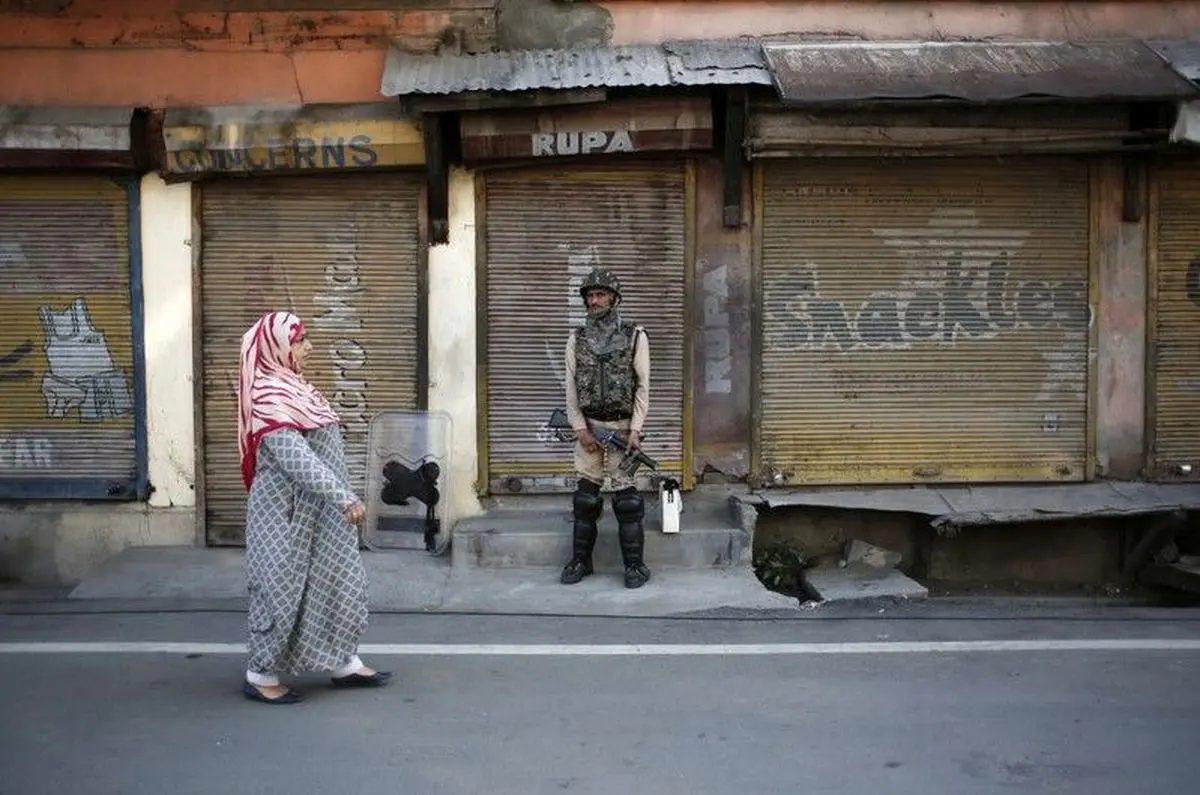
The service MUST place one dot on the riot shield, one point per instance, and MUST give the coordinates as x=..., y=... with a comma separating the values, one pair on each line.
x=408, y=471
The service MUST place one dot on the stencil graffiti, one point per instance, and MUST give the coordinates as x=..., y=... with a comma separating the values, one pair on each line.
x=25, y=453
x=961, y=289
x=718, y=340
x=14, y=365
x=958, y=286
x=336, y=313
x=81, y=376
x=580, y=259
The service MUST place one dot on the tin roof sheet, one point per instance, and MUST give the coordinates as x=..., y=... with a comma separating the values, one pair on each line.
x=850, y=71
x=693, y=63
x=1183, y=56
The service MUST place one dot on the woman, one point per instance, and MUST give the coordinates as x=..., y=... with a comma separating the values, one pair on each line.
x=307, y=584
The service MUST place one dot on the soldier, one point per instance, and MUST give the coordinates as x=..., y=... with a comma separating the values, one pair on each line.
x=608, y=385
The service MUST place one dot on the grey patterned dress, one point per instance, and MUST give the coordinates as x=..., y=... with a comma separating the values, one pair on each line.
x=307, y=584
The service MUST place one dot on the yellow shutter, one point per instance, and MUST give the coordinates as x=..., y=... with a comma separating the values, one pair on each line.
x=342, y=252
x=67, y=359
x=545, y=229
x=924, y=320
x=1176, y=332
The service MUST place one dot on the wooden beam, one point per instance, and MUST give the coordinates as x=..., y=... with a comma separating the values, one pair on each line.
x=485, y=100
x=1134, y=199
x=437, y=179
x=734, y=134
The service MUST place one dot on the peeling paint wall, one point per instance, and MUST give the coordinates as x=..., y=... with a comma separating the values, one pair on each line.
x=723, y=354
x=166, y=288
x=189, y=53
x=1120, y=401
x=542, y=24
x=641, y=21
x=451, y=355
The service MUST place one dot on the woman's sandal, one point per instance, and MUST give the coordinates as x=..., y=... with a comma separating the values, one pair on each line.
x=254, y=694
x=376, y=679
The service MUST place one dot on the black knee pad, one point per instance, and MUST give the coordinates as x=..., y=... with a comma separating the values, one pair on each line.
x=587, y=503
x=629, y=506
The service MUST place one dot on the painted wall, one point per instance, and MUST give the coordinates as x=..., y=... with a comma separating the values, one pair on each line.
x=167, y=287
x=641, y=21
x=183, y=53
x=1121, y=272
x=722, y=296
x=452, y=354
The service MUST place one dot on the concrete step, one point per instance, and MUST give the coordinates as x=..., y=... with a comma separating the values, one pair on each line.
x=535, y=532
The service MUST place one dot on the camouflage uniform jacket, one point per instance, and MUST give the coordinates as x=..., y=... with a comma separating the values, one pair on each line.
x=609, y=385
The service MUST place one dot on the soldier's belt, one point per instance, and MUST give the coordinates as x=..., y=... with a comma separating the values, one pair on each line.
x=609, y=417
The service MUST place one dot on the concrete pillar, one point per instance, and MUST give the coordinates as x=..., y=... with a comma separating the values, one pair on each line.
x=1120, y=400
x=452, y=355
x=166, y=224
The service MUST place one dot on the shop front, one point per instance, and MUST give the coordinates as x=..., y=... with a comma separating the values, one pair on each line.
x=927, y=253
x=72, y=417
x=602, y=187
x=1174, y=362
x=329, y=227
x=923, y=320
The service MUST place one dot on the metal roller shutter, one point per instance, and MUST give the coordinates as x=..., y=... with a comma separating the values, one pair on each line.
x=545, y=229
x=341, y=251
x=1176, y=359
x=67, y=359
x=924, y=320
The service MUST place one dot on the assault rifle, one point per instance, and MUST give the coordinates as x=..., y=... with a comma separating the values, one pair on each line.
x=563, y=431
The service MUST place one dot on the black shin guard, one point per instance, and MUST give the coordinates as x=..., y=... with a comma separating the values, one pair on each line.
x=587, y=505
x=630, y=510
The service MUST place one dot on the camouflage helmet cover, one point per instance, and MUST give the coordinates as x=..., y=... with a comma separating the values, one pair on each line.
x=600, y=278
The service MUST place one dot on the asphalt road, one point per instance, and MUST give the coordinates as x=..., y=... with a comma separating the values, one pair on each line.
x=1029, y=703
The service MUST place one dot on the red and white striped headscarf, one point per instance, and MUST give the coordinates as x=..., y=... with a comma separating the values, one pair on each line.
x=271, y=394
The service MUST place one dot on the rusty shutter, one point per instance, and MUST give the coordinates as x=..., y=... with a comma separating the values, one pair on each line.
x=924, y=320
x=341, y=251
x=545, y=229
x=1176, y=332
x=69, y=372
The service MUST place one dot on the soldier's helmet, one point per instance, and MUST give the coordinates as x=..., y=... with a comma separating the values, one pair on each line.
x=602, y=278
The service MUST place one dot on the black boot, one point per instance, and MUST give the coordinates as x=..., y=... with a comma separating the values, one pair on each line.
x=587, y=504
x=630, y=510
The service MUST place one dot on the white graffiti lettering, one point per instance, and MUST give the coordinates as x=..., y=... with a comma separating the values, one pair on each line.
x=960, y=304
x=718, y=341
x=958, y=286
x=19, y=452
x=585, y=143
x=337, y=312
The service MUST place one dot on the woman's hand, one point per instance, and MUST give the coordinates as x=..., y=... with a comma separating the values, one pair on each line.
x=356, y=513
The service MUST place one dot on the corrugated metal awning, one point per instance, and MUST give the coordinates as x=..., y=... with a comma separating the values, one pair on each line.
x=1184, y=58
x=693, y=63
x=815, y=73
x=1182, y=54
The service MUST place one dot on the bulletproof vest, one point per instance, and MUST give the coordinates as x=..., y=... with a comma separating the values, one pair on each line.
x=605, y=382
